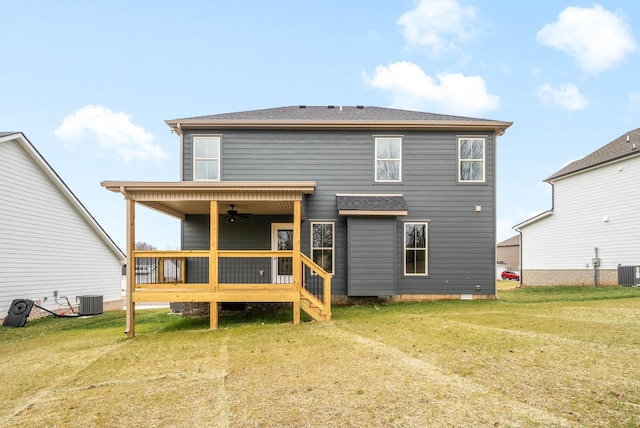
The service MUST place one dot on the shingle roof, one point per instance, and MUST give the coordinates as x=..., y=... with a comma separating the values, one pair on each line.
x=337, y=117
x=617, y=149
x=510, y=242
x=4, y=134
x=371, y=205
x=331, y=113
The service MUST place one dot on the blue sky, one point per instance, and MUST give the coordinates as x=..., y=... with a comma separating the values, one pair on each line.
x=91, y=83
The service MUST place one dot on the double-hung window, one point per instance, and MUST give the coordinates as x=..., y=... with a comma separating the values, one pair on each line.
x=206, y=158
x=415, y=249
x=322, y=245
x=388, y=159
x=471, y=160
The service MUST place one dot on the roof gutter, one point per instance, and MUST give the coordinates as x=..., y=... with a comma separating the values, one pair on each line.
x=176, y=127
x=557, y=177
x=473, y=125
x=126, y=187
x=540, y=216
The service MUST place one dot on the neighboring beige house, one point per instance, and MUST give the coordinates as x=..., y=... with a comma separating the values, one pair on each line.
x=593, y=226
x=508, y=253
x=50, y=245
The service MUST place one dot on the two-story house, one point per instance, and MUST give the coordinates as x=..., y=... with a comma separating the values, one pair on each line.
x=313, y=204
x=592, y=228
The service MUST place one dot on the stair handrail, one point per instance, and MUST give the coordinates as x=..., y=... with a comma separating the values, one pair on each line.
x=326, y=277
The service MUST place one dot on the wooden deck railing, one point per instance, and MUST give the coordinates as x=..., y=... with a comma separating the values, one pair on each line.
x=167, y=269
x=317, y=283
x=245, y=270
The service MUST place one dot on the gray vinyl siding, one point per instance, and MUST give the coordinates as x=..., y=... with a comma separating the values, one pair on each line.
x=46, y=245
x=461, y=241
x=253, y=233
x=371, y=244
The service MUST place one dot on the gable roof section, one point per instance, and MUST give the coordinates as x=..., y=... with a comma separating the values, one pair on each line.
x=532, y=220
x=514, y=241
x=615, y=150
x=337, y=117
x=44, y=166
x=371, y=205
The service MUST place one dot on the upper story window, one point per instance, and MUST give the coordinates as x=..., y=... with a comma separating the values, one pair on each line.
x=471, y=160
x=388, y=159
x=206, y=158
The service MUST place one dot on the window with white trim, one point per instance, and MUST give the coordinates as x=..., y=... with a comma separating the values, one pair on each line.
x=206, y=158
x=471, y=160
x=322, y=249
x=415, y=249
x=388, y=159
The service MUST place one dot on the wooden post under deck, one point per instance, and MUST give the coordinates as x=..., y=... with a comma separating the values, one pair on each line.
x=297, y=260
x=213, y=263
x=130, y=328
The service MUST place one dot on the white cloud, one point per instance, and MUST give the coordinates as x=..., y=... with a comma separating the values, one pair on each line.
x=567, y=96
x=595, y=38
x=452, y=93
x=113, y=132
x=504, y=228
x=438, y=24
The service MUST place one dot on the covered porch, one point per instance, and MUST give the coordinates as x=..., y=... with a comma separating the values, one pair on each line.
x=215, y=275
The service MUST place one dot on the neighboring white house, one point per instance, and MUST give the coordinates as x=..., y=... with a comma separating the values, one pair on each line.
x=49, y=242
x=594, y=224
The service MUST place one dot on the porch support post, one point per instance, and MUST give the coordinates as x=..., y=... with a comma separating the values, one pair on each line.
x=213, y=315
x=161, y=269
x=213, y=263
x=297, y=259
x=130, y=328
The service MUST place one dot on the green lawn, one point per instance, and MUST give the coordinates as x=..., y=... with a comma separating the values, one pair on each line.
x=548, y=357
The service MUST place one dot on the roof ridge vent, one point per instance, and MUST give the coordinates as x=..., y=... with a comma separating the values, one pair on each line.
x=331, y=106
x=303, y=106
x=359, y=107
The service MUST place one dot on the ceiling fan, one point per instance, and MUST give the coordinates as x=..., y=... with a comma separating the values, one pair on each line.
x=232, y=215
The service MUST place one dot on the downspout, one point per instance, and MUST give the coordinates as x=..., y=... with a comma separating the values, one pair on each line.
x=596, y=264
x=522, y=236
x=520, y=251
x=494, y=209
x=178, y=130
x=553, y=199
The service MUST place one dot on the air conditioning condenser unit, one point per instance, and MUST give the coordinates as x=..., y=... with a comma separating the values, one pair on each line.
x=89, y=304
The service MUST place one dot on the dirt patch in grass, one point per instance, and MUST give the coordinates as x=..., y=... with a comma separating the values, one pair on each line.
x=532, y=358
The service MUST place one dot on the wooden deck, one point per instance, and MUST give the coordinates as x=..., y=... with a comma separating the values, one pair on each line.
x=218, y=275
x=274, y=294
x=309, y=289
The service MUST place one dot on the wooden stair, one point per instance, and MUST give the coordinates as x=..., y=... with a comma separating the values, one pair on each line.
x=313, y=307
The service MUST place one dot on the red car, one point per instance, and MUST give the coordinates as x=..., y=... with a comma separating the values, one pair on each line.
x=507, y=274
